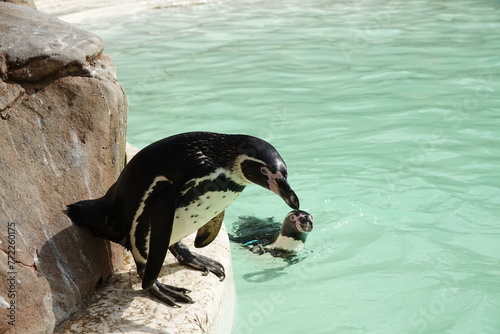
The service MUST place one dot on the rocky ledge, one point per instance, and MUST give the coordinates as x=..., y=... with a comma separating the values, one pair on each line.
x=62, y=134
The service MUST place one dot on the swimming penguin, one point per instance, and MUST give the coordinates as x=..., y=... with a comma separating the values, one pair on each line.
x=278, y=240
x=174, y=187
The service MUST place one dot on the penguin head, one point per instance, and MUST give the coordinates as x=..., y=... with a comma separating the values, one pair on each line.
x=299, y=221
x=297, y=225
x=260, y=163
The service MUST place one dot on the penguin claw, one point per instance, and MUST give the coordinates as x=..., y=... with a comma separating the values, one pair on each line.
x=197, y=261
x=169, y=288
x=170, y=294
x=216, y=268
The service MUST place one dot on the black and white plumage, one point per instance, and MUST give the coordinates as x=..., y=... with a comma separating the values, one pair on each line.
x=280, y=240
x=174, y=187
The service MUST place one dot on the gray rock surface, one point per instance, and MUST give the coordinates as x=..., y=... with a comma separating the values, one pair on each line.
x=62, y=139
x=45, y=47
x=28, y=3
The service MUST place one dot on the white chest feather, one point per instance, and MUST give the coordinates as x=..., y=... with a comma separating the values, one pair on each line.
x=286, y=243
x=190, y=218
x=202, y=199
x=199, y=201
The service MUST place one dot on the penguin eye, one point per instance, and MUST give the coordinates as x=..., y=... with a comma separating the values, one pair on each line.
x=264, y=170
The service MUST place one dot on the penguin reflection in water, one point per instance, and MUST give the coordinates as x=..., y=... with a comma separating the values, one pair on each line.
x=177, y=186
x=262, y=236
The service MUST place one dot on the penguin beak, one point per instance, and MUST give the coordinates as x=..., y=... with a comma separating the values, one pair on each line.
x=302, y=221
x=281, y=188
x=306, y=225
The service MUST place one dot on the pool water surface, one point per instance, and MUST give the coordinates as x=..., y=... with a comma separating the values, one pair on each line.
x=388, y=116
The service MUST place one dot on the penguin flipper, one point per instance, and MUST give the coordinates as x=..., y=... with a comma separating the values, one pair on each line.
x=159, y=212
x=208, y=232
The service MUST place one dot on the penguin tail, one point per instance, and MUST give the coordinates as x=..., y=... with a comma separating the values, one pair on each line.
x=92, y=213
x=86, y=213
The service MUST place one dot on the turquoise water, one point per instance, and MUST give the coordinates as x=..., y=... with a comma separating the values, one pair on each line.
x=387, y=114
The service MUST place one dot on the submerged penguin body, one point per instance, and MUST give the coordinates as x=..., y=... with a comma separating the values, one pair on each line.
x=280, y=240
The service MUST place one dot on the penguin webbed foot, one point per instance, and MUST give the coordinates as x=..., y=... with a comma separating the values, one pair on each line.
x=197, y=261
x=170, y=294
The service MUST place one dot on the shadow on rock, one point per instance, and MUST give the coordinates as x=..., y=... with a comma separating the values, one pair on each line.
x=118, y=303
x=72, y=262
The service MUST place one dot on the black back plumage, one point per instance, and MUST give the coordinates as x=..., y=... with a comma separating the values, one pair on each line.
x=179, y=158
x=249, y=230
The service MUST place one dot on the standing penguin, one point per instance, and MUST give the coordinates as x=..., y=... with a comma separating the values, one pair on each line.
x=174, y=187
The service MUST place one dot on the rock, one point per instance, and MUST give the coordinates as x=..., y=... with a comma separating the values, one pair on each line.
x=28, y=3
x=62, y=134
x=49, y=46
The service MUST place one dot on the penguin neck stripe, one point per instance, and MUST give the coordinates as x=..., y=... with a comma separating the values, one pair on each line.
x=215, y=182
x=244, y=157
